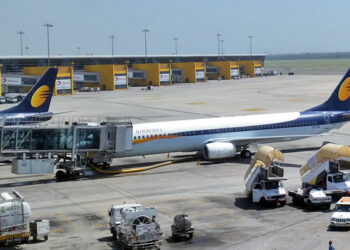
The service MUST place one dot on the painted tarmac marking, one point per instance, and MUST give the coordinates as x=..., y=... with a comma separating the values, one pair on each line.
x=221, y=224
x=69, y=221
x=195, y=103
x=298, y=100
x=100, y=225
x=56, y=230
x=124, y=192
x=254, y=109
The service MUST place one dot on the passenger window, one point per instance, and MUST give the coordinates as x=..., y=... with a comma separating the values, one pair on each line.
x=330, y=178
x=258, y=186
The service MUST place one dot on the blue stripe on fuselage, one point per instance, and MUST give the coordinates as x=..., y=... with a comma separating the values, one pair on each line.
x=307, y=118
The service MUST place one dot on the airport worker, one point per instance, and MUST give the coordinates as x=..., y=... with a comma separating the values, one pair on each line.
x=331, y=247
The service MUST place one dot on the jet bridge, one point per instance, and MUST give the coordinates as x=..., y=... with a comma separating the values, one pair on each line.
x=37, y=148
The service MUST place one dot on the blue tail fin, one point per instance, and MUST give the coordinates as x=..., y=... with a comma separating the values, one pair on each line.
x=340, y=98
x=39, y=97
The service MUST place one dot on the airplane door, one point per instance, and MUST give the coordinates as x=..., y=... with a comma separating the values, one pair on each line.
x=327, y=121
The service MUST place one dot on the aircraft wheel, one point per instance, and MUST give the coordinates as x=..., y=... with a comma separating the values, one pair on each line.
x=246, y=154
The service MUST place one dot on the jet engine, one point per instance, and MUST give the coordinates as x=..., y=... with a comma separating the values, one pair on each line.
x=219, y=150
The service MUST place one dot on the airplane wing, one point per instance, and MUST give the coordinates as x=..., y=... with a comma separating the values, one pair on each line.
x=61, y=113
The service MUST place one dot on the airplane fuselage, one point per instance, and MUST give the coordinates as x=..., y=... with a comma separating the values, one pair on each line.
x=192, y=135
x=8, y=119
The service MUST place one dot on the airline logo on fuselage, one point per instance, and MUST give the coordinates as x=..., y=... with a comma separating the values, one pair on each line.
x=40, y=96
x=344, y=91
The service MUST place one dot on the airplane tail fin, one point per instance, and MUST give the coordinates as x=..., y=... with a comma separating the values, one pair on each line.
x=39, y=97
x=339, y=99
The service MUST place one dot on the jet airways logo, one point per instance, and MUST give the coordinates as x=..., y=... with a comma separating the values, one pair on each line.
x=40, y=96
x=344, y=91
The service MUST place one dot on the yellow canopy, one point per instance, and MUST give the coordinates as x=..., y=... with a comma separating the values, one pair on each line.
x=329, y=151
x=267, y=154
x=264, y=158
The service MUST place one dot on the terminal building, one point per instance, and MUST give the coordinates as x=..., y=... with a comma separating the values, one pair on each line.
x=19, y=73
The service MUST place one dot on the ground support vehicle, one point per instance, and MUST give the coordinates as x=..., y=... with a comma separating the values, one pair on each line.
x=263, y=178
x=310, y=198
x=2, y=100
x=14, y=97
x=182, y=227
x=39, y=229
x=115, y=217
x=341, y=214
x=323, y=170
x=137, y=226
x=15, y=225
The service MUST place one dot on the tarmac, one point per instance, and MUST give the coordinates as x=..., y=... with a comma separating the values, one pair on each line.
x=211, y=193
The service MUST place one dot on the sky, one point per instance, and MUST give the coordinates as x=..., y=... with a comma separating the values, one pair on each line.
x=277, y=26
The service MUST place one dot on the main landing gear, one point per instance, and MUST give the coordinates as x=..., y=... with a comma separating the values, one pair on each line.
x=246, y=154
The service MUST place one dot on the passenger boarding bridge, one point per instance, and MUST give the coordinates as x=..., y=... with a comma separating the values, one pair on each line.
x=75, y=138
x=38, y=148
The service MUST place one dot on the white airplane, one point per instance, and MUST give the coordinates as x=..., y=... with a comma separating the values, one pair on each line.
x=223, y=137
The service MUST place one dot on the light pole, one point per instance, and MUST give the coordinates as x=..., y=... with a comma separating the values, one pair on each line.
x=27, y=48
x=175, y=40
x=145, y=30
x=218, y=35
x=21, y=33
x=112, y=37
x=78, y=48
x=48, y=26
x=222, y=47
x=250, y=43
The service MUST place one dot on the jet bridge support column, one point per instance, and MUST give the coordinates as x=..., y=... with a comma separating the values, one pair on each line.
x=0, y=80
